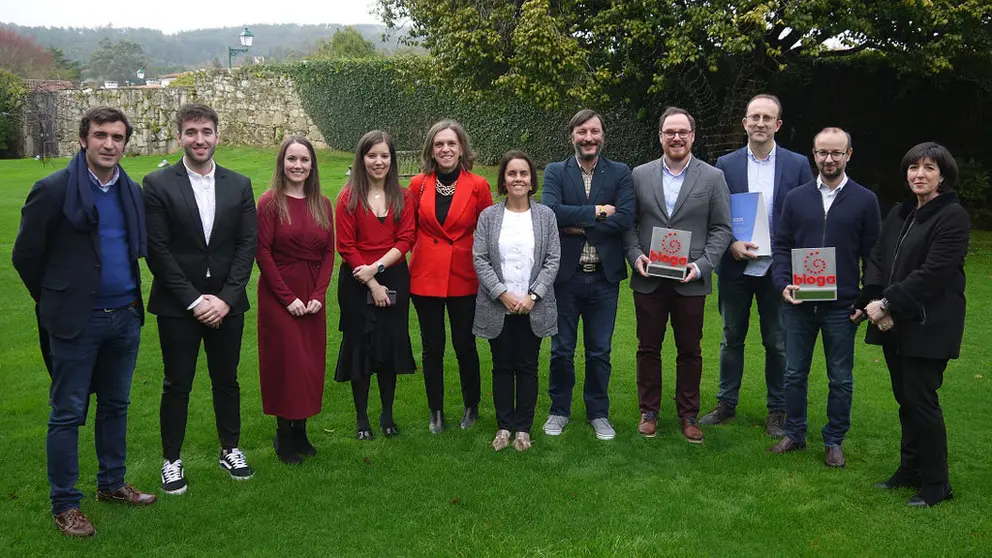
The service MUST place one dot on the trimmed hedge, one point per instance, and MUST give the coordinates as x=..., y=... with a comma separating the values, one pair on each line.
x=347, y=98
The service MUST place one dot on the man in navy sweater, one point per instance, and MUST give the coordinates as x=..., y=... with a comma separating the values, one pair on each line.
x=82, y=232
x=831, y=211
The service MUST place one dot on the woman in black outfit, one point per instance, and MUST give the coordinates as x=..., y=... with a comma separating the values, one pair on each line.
x=915, y=281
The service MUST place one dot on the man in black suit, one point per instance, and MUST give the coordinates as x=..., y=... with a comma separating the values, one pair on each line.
x=202, y=234
x=82, y=232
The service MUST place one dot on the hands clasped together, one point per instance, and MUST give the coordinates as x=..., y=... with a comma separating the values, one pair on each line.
x=878, y=314
x=365, y=274
x=211, y=311
x=516, y=305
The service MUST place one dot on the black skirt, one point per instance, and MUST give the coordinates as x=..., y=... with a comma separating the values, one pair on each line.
x=373, y=338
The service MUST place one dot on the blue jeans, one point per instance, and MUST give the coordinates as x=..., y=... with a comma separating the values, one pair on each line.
x=735, y=307
x=592, y=297
x=802, y=324
x=103, y=356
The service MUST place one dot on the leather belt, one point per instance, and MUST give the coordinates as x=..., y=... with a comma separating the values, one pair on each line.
x=589, y=267
x=132, y=304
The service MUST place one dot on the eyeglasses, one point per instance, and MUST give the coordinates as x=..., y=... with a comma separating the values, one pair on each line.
x=670, y=134
x=755, y=118
x=835, y=155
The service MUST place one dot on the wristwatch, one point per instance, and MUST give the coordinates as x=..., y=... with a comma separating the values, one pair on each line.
x=380, y=268
x=601, y=215
x=885, y=304
x=534, y=297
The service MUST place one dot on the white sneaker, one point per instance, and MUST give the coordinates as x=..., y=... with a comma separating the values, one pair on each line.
x=555, y=425
x=173, y=479
x=604, y=430
x=235, y=464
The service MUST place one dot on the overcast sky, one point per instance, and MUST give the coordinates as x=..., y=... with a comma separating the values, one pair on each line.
x=179, y=15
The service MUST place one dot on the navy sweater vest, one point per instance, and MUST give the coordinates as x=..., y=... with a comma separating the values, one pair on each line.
x=118, y=285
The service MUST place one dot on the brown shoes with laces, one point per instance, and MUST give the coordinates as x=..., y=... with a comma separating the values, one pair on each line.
x=73, y=523
x=691, y=430
x=126, y=494
x=833, y=456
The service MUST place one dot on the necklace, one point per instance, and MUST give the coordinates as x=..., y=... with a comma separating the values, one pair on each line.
x=443, y=190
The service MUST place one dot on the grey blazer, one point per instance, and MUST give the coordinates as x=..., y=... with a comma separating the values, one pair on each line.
x=703, y=207
x=489, y=311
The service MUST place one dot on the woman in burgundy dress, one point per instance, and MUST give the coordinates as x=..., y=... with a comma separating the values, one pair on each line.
x=296, y=257
x=375, y=231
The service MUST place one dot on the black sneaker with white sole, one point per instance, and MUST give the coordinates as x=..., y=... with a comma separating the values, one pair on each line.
x=173, y=479
x=234, y=462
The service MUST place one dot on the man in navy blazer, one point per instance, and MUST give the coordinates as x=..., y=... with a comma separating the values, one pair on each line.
x=593, y=200
x=82, y=233
x=766, y=167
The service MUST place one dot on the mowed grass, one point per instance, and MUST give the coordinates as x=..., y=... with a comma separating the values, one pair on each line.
x=451, y=495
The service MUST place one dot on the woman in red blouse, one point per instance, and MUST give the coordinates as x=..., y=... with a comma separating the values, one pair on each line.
x=449, y=199
x=375, y=231
x=296, y=257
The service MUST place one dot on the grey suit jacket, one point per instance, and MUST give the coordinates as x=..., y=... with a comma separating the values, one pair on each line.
x=703, y=207
x=489, y=311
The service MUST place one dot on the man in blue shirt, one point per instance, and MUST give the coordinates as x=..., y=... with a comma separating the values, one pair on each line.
x=766, y=167
x=81, y=235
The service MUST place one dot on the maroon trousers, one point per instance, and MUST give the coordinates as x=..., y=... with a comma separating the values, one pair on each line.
x=652, y=311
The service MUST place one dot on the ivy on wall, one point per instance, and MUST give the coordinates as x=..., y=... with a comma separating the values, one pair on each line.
x=347, y=98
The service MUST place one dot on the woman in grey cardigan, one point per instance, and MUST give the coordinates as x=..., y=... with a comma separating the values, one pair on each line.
x=516, y=254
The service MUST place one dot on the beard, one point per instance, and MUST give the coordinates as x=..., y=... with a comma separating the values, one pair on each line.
x=191, y=154
x=587, y=156
x=836, y=172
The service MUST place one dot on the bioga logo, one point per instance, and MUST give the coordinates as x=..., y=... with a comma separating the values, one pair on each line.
x=669, y=253
x=814, y=266
x=670, y=259
x=818, y=280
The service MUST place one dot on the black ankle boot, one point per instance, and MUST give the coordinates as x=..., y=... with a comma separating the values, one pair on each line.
x=471, y=415
x=303, y=444
x=285, y=443
x=437, y=422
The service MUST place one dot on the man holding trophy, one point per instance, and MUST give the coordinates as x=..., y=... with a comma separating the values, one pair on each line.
x=825, y=235
x=682, y=228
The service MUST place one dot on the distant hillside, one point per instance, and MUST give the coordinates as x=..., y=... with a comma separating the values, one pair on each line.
x=190, y=49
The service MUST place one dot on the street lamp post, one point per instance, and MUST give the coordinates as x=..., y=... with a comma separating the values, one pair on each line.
x=246, y=38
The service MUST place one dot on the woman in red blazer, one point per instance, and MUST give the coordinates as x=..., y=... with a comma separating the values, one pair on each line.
x=448, y=199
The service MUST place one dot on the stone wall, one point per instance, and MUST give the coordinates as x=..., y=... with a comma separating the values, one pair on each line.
x=254, y=110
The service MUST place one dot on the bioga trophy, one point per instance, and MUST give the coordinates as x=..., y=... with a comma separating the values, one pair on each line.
x=815, y=271
x=669, y=253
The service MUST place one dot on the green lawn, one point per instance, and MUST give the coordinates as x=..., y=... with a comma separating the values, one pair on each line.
x=451, y=495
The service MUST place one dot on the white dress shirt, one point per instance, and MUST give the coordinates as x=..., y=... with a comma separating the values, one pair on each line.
x=671, y=183
x=761, y=178
x=827, y=194
x=516, y=251
x=205, y=193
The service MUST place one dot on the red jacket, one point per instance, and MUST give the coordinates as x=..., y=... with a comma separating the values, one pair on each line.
x=441, y=259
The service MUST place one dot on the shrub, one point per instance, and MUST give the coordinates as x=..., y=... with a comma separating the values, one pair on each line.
x=13, y=93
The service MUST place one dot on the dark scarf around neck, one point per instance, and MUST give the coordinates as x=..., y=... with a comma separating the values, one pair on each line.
x=80, y=210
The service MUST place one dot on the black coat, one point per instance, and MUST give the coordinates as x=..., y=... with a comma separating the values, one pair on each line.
x=59, y=264
x=178, y=254
x=922, y=277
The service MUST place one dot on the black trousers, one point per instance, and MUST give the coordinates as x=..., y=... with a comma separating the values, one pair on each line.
x=515, y=354
x=915, y=382
x=461, y=313
x=180, y=339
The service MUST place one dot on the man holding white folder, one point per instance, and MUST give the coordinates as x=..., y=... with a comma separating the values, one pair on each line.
x=766, y=169
x=685, y=195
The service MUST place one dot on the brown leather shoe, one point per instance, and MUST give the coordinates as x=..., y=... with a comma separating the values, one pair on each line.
x=691, y=430
x=73, y=523
x=834, y=457
x=648, y=427
x=127, y=494
x=786, y=445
